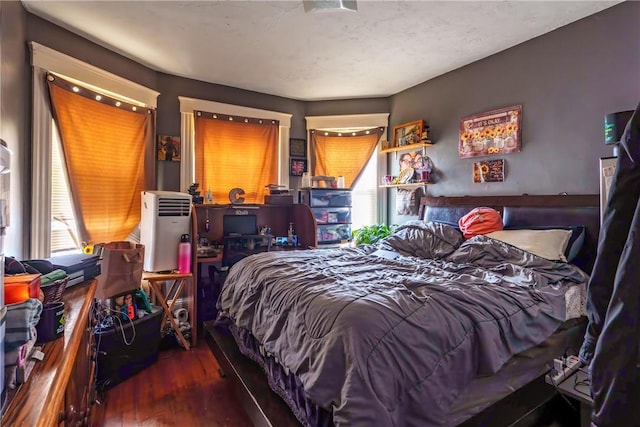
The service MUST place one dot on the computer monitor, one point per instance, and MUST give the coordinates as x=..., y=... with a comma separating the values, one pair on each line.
x=239, y=224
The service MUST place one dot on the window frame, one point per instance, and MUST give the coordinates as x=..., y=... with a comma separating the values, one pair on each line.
x=187, y=134
x=43, y=60
x=358, y=121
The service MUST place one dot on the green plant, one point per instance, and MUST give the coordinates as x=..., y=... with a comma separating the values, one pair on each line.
x=370, y=234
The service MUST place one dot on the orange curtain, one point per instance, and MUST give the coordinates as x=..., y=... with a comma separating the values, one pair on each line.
x=343, y=154
x=109, y=155
x=242, y=153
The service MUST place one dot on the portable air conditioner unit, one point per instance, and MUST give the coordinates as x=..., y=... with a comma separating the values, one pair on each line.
x=165, y=218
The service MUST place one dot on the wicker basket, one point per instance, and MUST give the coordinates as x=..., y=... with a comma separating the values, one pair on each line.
x=53, y=291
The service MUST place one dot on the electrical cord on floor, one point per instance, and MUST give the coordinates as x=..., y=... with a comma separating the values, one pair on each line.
x=582, y=383
x=566, y=399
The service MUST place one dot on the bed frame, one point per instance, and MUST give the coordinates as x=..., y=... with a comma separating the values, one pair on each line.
x=265, y=408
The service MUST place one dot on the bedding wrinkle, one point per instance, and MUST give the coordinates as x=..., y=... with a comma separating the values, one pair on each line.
x=394, y=342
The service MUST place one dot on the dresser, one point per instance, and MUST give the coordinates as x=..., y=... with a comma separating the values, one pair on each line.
x=331, y=208
x=59, y=390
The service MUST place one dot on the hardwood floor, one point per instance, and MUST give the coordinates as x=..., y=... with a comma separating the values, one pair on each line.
x=181, y=388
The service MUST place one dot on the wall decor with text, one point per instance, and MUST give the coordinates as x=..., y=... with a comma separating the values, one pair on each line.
x=492, y=133
x=297, y=147
x=488, y=171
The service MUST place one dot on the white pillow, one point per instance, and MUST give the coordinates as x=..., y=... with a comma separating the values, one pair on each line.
x=549, y=244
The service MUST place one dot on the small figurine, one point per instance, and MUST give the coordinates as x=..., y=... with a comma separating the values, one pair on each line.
x=425, y=135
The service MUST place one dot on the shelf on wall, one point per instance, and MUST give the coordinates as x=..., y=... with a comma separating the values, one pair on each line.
x=407, y=147
x=411, y=184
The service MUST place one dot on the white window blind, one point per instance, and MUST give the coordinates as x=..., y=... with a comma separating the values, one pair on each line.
x=63, y=225
x=364, y=203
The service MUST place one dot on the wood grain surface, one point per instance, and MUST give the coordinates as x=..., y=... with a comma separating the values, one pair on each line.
x=38, y=401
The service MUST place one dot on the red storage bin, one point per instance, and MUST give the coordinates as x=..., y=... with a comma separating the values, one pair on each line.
x=21, y=287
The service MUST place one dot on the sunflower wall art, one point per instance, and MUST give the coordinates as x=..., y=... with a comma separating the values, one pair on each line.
x=488, y=171
x=492, y=133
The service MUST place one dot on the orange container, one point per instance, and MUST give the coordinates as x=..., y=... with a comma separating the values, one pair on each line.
x=21, y=287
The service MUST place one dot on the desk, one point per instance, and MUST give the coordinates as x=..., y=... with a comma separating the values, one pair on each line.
x=178, y=281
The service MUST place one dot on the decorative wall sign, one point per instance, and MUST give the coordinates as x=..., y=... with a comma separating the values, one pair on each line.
x=492, y=133
x=297, y=167
x=297, y=147
x=488, y=171
x=408, y=133
x=168, y=148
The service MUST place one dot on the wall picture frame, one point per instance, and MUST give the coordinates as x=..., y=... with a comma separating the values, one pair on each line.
x=489, y=171
x=297, y=147
x=297, y=166
x=407, y=133
x=168, y=148
x=492, y=133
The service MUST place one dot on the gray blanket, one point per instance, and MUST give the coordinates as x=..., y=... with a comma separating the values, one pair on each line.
x=392, y=340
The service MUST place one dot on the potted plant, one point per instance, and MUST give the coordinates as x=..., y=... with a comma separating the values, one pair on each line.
x=370, y=234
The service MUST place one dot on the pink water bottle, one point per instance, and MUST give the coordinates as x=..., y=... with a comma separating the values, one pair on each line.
x=184, y=255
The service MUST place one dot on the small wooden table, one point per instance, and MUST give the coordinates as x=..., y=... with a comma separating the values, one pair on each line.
x=178, y=281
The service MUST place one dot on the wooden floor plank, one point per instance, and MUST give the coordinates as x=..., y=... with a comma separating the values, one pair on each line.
x=182, y=388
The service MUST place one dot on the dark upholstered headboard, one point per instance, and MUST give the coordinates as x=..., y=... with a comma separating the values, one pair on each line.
x=527, y=211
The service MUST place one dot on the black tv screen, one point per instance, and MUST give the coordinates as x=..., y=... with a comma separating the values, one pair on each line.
x=239, y=224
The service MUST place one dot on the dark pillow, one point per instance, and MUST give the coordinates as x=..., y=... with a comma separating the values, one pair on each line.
x=575, y=240
x=40, y=265
x=13, y=266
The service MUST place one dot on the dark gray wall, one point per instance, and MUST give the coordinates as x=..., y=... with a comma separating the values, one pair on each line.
x=50, y=35
x=15, y=107
x=347, y=106
x=566, y=81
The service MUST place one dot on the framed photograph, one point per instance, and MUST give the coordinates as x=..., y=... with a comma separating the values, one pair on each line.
x=408, y=133
x=297, y=147
x=297, y=167
x=168, y=148
x=492, y=133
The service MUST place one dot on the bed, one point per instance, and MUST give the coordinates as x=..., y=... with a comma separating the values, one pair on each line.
x=425, y=328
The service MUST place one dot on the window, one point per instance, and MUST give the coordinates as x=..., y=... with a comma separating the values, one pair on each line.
x=43, y=198
x=104, y=140
x=368, y=201
x=187, y=134
x=236, y=152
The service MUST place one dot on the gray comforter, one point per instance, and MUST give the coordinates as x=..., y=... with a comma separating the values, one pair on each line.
x=389, y=334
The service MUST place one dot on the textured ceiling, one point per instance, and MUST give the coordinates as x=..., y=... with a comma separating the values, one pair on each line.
x=275, y=47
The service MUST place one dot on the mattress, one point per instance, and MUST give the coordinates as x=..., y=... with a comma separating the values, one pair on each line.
x=479, y=395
